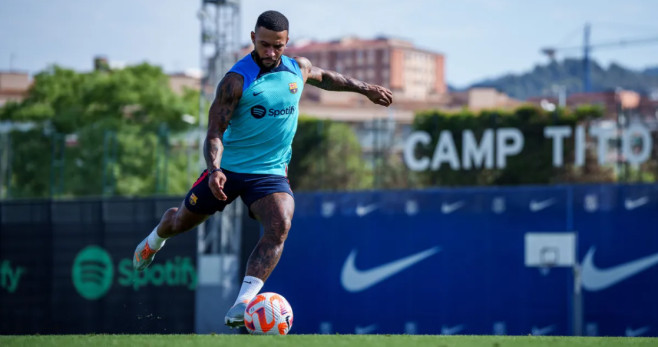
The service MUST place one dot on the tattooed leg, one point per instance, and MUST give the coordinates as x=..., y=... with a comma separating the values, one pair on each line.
x=275, y=214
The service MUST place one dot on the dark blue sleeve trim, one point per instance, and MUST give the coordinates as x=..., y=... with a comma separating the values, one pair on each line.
x=248, y=69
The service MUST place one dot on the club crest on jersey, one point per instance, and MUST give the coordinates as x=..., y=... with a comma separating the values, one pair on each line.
x=293, y=87
x=193, y=199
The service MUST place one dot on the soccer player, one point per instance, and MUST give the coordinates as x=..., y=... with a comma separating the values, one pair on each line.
x=251, y=125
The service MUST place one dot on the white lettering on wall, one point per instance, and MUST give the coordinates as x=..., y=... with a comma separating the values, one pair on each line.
x=445, y=151
x=633, y=131
x=636, y=146
x=472, y=155
x=509, y=141
x=413, y=163
x=557, y=134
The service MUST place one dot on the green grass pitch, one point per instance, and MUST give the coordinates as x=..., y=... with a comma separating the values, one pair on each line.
x=321, y=341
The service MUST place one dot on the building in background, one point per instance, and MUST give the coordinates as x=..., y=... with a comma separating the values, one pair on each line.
x=13, y=86
x=644, y=106
x=180, y=81
x=416, y=76
x=480, y=98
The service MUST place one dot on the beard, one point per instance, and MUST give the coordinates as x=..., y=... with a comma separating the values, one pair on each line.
x=264, y=62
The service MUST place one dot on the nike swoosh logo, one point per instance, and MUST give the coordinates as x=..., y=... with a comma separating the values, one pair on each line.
x=632, y=204
x=364, y=210
x=447, y=208
x=636, y=332
x=542, y=331
x=365, y=330
x=355, y=280
x=258, y=93
x=594, y=279
x=536, y=206
x=452, y=330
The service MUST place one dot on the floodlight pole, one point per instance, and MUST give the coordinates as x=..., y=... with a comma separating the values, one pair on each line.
x=220, y=26
x=586, y=62
x=219, y=238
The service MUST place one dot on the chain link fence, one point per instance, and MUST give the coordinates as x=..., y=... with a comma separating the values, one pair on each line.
x=335, y=156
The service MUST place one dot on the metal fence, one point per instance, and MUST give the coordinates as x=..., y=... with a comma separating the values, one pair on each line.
x=329, y=156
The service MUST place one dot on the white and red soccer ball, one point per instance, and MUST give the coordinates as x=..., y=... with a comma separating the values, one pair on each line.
x=268, y=314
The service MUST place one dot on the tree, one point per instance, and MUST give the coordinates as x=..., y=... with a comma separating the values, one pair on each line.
x=102, y=132
x=327, y=156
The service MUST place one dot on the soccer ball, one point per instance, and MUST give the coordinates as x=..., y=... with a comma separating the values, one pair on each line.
x=268, y=314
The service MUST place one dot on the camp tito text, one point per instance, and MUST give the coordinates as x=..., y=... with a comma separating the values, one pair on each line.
x=495, y=146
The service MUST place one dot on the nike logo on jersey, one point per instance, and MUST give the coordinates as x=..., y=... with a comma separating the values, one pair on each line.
x=355, y=280
x=258, y=93
x=598, y=279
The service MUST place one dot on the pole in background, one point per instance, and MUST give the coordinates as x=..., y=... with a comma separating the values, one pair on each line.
x=5, y=150
x=586, y=63
x=219, y=238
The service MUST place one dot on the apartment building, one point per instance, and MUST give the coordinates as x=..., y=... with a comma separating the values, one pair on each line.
x=612, y=102
x=413, y=74
x=13, y=86
x=180, y=81
x=480, y=98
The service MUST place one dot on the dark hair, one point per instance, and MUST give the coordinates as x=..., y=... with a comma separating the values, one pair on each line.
x=272, y=20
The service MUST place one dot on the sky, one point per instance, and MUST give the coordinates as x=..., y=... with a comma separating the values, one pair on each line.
x=479, y=38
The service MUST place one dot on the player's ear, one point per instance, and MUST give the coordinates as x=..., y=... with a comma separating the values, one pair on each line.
x=253, y=38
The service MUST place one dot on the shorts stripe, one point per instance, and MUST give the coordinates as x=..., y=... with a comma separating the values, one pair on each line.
x=205, y=173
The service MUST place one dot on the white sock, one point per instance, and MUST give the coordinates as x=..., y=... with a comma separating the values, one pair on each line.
x=155, y=242
x=250, y=288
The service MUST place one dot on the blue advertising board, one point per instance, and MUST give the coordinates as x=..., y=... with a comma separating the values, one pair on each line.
x=451, y=261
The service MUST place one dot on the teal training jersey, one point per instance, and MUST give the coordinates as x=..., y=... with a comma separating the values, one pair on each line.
x=259, y=136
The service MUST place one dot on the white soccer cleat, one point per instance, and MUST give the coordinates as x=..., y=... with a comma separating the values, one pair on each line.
x=143, y=256
x=235, y=315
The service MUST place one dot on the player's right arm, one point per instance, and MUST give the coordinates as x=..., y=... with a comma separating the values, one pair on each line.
x=229, y=92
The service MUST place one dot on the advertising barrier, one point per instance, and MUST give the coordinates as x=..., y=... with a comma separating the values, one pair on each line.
x=453, y=261
x=66, y=267
x=540, y=260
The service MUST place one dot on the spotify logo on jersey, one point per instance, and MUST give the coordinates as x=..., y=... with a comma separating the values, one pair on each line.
x=258, y=111
x=92, y=272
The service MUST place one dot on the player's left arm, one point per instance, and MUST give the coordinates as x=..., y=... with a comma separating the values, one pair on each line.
x=332, y=80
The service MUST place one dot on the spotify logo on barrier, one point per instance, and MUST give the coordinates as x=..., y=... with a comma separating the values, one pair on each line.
x=92, y=272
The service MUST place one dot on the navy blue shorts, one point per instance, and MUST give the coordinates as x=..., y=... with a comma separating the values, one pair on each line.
x=250, y=187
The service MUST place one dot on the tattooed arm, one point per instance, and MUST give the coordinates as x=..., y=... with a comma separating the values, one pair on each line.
x=228, y=95
x=331, y=80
